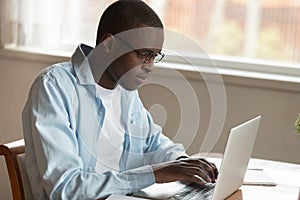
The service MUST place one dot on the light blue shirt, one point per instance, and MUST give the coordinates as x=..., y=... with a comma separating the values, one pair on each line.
x=62, y=120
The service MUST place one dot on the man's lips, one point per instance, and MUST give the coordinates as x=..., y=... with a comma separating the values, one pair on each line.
x=142, y=78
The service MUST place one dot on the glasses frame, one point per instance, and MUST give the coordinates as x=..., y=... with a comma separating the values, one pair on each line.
x=145, y=58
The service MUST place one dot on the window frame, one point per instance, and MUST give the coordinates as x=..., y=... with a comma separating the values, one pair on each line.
x=234, y=71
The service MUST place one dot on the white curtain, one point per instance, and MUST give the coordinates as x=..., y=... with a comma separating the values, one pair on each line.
x=30, y=22
x=49, y=24
x=8, y=21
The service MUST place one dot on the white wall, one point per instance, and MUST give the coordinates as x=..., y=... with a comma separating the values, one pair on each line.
x=276, y=101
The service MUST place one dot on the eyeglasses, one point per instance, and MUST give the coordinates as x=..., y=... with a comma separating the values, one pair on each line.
x=146, y=56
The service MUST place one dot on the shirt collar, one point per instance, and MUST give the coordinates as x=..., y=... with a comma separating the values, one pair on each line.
x=81, y=65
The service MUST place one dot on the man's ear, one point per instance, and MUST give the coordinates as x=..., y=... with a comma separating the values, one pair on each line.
x=108, y=42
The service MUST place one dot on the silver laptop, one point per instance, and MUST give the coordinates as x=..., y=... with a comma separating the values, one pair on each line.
x=231, y=174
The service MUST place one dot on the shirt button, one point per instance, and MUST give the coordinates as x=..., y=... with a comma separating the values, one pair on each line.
x=90, y=169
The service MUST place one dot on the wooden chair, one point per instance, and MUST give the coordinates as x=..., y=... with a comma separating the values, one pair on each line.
x=14, y=153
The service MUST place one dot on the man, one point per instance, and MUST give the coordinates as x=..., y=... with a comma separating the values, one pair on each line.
x=87, y=133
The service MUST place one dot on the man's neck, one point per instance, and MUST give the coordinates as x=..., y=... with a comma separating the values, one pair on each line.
x=106, y=81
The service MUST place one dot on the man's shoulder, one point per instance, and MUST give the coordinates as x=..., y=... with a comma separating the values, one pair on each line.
x=57, y=71
x=61, y=75
x=63, y=67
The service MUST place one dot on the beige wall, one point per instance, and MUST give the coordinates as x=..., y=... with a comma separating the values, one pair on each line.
x=276, y=101
x=17, y=72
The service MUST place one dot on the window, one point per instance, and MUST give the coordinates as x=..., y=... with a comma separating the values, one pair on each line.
x=250, y=30
x=261, y=29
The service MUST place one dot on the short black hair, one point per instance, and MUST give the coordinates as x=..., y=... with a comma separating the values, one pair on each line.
x=124, y=15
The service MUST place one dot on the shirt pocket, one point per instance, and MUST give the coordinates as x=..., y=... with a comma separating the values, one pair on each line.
x=139, y=126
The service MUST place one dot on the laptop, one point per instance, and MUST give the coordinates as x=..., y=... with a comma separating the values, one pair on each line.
x=231, y=174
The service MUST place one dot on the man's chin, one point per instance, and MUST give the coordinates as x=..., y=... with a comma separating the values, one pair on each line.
x=130, y=87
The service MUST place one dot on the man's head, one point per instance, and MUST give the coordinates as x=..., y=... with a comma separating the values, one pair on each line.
x=131, y=34
x=125, y=15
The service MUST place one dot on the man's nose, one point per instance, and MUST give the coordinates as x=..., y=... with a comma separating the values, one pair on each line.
x=148, y=67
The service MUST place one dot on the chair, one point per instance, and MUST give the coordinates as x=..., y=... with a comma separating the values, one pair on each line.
x=14, y=153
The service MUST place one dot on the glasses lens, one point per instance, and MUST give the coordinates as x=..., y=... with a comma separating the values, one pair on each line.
x=158, y=57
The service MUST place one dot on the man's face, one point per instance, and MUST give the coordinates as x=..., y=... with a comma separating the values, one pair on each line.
x=132, y=69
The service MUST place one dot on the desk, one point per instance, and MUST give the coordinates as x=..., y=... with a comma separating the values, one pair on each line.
x=286, y=176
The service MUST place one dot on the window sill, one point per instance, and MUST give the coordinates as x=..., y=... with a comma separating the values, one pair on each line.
x=274, y=81
x=260, y=75
x=27, y=54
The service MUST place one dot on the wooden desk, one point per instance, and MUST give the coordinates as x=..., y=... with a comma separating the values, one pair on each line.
x=286, y=176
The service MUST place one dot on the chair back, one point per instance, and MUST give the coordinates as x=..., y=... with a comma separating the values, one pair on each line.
x=14, y=153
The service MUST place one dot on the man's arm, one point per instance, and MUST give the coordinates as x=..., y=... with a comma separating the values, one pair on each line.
x=53, y=144
x=195, y=170
x=171, y=163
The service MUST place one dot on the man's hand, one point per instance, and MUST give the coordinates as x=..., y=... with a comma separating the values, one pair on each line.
x=197, y=170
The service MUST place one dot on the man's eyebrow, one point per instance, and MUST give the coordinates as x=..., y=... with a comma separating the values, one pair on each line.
x=143, y=50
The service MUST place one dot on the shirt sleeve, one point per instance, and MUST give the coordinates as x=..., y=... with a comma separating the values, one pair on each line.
x=52, y=144
x=159, y=147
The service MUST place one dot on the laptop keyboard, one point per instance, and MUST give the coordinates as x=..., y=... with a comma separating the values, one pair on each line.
x=194, y=191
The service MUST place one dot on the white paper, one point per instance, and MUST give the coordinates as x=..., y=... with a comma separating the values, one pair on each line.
x=258, y=177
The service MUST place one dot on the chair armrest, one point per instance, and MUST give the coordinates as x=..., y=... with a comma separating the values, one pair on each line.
x=13, y=148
